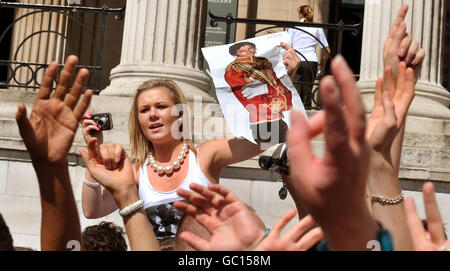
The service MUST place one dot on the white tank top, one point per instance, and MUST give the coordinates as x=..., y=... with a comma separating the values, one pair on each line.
x=158, y=206
x=152, y=197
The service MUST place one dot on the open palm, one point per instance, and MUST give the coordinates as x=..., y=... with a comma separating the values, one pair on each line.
x=49, y=132
x=231, y=224
x=390, y=109
x=231, y=228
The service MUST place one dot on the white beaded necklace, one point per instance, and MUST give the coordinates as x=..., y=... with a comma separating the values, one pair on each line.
x=169, y=169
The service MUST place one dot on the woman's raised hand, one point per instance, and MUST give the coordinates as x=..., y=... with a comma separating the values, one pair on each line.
x=112, y=168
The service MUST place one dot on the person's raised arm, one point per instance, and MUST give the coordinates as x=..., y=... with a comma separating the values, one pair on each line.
x=383, y=126
x=333, y=187
x=291, y=60
x=48, y=135
x=401, y=47
x=115, y=172
x=218, y=153
x=386, y=127
x=326, y=52
x=96, y=202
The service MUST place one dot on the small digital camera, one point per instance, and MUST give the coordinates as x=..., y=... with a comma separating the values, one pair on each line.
x=103, y=120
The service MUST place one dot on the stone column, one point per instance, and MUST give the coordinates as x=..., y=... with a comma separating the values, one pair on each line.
x=27, y=46
x=426, y=151
x=162, y=39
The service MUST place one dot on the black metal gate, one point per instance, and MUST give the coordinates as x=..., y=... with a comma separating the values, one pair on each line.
x=70, y=13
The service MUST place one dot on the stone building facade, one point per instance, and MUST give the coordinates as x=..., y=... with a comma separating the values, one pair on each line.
x=162, y=38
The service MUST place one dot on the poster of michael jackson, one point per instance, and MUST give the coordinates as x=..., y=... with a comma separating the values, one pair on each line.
x=253, y=87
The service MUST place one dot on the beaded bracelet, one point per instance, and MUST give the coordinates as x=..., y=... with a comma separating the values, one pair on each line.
x=388, y=201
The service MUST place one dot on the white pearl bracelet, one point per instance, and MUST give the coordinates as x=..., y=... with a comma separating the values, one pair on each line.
x=91, y=184
x=131, y=208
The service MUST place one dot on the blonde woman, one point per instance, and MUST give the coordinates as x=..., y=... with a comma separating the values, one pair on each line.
x=164, y=157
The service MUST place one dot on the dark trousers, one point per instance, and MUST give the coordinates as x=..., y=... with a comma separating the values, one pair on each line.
x=304, y=80
x=270, y=132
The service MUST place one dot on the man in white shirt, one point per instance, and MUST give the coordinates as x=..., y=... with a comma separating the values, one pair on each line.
x=305, y=42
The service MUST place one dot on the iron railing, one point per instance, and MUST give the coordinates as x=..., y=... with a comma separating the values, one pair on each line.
x=340, y=27
x=13, y=65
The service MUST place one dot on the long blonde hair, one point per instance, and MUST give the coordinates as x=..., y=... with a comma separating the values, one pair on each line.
x=140, y=145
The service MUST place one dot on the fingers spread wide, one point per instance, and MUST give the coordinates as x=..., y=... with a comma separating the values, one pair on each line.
x=83, y=105
x=77, y=88
x=214, y=198
x=25, y=129
x=65, y=77
x=47, y=82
